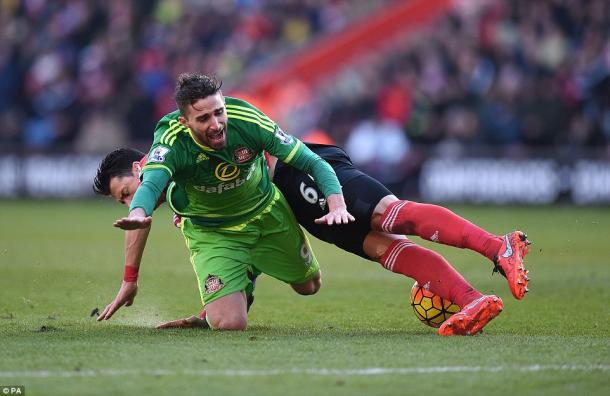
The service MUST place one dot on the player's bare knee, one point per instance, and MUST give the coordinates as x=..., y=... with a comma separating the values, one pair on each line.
x=233, y=324
x=308, y=291
x=313, y=287
x=228, y=322
x=316, y=283
x=304, y=289
x=228, y=312
x=310, y=287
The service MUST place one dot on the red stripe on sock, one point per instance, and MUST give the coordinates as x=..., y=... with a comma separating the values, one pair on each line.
x=393, y=252
x=438, y=224
x=392, y=213
x=426, y=266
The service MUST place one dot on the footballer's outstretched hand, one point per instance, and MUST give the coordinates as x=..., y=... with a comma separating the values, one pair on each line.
x=133, y=223
x=125, y=297
x=337, y=211
x=136, y=220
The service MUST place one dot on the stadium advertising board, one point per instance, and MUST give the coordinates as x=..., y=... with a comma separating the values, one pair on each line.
x=469, y=180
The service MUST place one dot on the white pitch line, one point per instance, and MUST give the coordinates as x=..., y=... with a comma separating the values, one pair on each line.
x=300, y=371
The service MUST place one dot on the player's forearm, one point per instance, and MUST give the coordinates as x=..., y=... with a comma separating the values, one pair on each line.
x=324, y=176
x=135, y=242
x=148, y=193
x=321, y=171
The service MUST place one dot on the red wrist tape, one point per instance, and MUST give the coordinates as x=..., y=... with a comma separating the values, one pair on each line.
x=131, y=273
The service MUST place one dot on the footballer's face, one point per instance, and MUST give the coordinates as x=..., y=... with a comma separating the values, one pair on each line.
x=207, y=119
x=123, y=188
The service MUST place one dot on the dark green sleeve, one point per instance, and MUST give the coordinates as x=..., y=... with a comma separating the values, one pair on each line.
x=154, y=182
x=321, y=171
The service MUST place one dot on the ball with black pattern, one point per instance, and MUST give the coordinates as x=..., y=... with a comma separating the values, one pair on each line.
x=431, y=309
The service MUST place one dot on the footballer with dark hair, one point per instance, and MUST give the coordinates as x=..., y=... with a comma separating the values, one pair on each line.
x=377, y=234
x=114, y=175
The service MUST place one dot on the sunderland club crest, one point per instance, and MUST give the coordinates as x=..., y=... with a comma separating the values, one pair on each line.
x=212, y=284
x=242, y=154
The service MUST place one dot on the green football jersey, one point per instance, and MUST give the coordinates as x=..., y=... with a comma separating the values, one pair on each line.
x=228, y=186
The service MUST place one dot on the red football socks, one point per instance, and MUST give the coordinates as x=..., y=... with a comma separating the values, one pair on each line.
x=429, y=269
x=438, y=224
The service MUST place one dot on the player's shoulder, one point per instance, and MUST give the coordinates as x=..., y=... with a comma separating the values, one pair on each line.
x=169, y=130
x=166, y=119
x=244, y=114
x=237, y=103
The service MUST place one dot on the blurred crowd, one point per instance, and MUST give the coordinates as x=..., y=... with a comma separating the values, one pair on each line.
x=94, y=75
x=508, y=73
x=518, y=76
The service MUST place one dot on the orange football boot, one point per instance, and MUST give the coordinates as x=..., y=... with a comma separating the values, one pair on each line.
x=509, y=262
x=473, y=317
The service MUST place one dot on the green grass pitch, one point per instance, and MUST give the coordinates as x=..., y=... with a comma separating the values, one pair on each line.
x=357, y=336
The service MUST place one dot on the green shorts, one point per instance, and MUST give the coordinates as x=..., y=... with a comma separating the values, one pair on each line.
x=271, y=242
